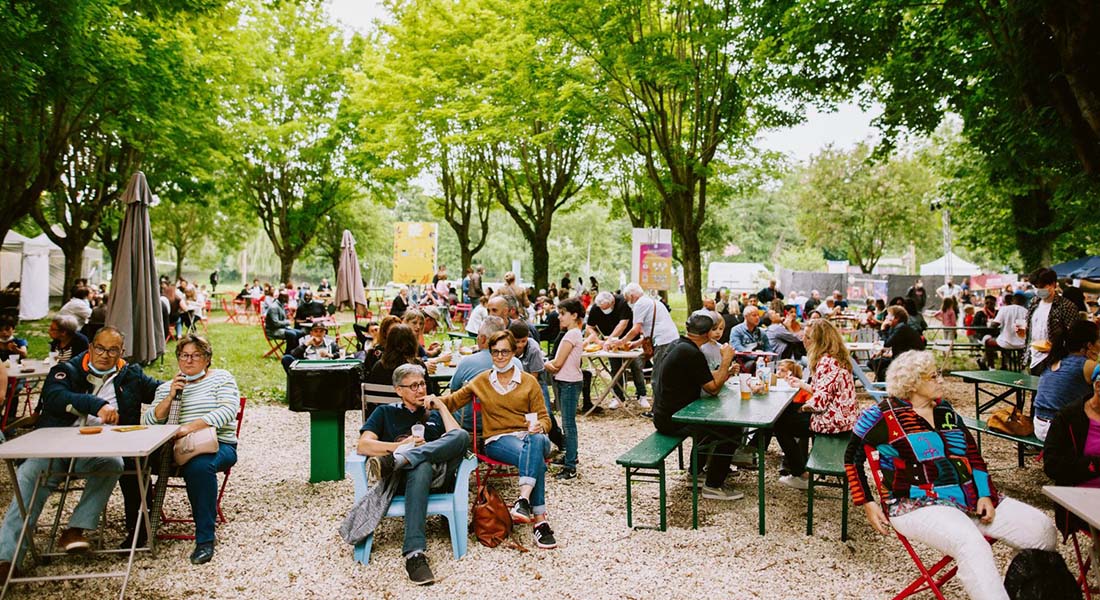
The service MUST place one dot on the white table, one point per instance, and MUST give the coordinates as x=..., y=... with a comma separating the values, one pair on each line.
x=68, y=443
x=1085, y=503
x=29, y=373
x=860, y=346
x=598, y=361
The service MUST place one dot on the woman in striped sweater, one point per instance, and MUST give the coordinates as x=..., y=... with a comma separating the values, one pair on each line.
x=208, y=398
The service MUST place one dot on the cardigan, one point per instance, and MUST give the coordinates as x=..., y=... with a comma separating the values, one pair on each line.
x=502, y=413
x=1064, y=459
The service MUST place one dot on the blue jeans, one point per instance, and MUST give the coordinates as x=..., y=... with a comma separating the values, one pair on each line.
x=97, y=491
x=529, y=453
x=200, y=474
x=569, y=393
x=448, y=449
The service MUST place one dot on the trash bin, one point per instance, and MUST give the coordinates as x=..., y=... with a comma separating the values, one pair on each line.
x=325, y=389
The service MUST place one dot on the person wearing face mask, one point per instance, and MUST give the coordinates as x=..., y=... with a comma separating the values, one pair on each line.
x=610, y=316
x=1048, y=317
x=1069, y=377
x=105, y=389
x=207, y=397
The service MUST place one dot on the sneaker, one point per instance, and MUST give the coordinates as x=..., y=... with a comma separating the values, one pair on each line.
x=566, y=474
x=644, y=402
x=797, y=483
x=379, y=468
x=419, y=571
x=720, y=494
x=73, y=540
x=648, y=414
x=203, y=553
x=560, y=461
x=744, y=457
x=544, y=536
x=614, y=404
x=521, y=511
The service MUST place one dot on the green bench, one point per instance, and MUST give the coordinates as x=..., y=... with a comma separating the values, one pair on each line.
x=1021, y=441
x=826, y=468
x=646, y=462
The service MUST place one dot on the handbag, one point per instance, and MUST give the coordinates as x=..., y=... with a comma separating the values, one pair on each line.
x=647, y=342
x=1011, y=421
x=491, y=520
x=203, y=441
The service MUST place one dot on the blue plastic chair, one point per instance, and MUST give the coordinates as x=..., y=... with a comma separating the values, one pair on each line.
x=876, y=389
x=454, y=506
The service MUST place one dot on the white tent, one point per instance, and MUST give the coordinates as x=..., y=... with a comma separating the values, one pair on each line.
x=950, y=264
x=28, y=260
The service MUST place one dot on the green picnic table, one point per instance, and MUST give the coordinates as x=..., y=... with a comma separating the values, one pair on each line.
x=1016, y=384
x=461, y=335
x=728, y=410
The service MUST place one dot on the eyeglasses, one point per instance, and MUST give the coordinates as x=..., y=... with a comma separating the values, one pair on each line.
x=186, y=357
x=937, y=376
x=419, y=385
x=112, y=352
x=501, y=351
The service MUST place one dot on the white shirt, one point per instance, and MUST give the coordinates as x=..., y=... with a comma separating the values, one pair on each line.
x=77, y=308
x=645, y=310
x=104, y=389
x=477, y=317
x=1039, y=320
x=1006, y=318
x=945, y=291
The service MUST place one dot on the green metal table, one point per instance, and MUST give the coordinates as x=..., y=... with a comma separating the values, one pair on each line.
x=1016, y=384
x=728, y=410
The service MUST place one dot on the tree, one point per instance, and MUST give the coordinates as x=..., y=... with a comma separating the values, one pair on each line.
x=863, y=207
x=188, y=224
x=293, y=126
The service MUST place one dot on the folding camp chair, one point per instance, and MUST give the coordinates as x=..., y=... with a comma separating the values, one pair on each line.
x=277, y=346
x=1084, y=564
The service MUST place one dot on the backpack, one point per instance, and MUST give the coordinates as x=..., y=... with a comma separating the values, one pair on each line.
x=1040, y=575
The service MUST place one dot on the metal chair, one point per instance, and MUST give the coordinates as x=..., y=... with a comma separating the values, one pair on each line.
x=277, y=346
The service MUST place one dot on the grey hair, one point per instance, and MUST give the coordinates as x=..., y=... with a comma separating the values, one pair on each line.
x=513, y=302
x=632, y=289
x=605, y=297
x=67, y=323
x=491, y=325
x=904, y=374
x=406, y=370
x=749, y=310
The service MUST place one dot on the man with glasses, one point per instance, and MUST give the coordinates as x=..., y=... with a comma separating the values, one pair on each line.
x=425, y=459
x=104, y=388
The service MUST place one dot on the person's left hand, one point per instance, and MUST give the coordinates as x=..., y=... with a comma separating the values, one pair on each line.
x=184, y=430
x=985, y=510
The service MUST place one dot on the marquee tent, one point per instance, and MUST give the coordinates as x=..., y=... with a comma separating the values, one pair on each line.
x=23, y=259
x=950, y=264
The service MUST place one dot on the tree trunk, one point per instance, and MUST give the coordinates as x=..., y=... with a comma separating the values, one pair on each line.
x=286, y=265
x=74, y=262
x=540, y=263
x=691, y=260
x=179, y=264
x=1034, y=235
x=467, y=256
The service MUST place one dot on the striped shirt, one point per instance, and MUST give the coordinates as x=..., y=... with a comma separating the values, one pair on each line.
x=214, y=399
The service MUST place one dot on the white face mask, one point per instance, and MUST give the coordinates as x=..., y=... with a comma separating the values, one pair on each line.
x=5, y=340
x=607, y=310
x=1042, y=293
x=194, y=377
x=506, y=367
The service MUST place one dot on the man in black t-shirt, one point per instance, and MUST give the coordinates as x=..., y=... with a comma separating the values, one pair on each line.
x=393, y=450
x=684, y=377
x=610, y=316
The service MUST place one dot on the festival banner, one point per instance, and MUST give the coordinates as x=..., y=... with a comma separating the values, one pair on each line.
x=651, y=259
x=414, y=252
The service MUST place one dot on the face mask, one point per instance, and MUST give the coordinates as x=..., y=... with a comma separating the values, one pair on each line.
x=506, y=367
x=1042, y=293
x=4, y=340
x=99, y=373
x=199, y=375
x=608, y=310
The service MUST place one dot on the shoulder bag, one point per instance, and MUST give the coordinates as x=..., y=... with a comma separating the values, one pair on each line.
x=647, y=342
x=203, y=441
x=1011, y=421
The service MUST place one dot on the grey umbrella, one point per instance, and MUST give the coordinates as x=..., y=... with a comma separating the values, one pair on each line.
x=134, y=307
x=349, y=282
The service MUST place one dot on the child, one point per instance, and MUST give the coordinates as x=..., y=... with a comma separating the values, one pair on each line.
x=949, y=316
x=568, y=378
x=9, y=344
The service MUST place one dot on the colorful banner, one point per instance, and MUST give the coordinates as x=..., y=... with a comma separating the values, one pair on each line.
x=414, y=252
x=995, y=281
x=655, y=266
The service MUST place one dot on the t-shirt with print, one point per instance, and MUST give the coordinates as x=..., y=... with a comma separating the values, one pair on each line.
x=571, y=369
x=678, y=383
x=391, y=422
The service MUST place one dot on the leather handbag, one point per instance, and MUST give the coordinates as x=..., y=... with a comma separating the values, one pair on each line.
x=647, y=342
x=492, y=522
x=1012, y=421
x=203, y=441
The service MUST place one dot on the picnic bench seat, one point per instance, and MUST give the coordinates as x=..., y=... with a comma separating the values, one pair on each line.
x=646, y=462
x=826, y=468
x=1021, y=441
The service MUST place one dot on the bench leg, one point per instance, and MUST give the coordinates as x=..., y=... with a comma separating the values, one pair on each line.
x=629, y=514
x=843, y=509
x=680, y=454
x=694, y=485
x=1020, y=455
x=810, y=506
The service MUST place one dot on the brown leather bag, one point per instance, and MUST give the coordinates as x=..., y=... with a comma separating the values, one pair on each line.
x=492, y=522
x=647, y=342
x=1012, y=421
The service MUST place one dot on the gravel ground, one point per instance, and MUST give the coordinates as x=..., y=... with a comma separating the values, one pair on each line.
x=281, y=540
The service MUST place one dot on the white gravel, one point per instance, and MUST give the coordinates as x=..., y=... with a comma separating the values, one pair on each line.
x=281, y=540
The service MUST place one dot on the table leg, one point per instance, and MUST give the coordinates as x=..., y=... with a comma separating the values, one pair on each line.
x=694, y=485
x=142, y=473
x=760, y=475
x=26, y=521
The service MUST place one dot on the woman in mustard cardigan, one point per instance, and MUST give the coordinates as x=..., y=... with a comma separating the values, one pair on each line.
x=513, y=430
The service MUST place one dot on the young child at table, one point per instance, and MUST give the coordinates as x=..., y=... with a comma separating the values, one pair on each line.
x=949, y=316
x=789, y=367
x=9, y=344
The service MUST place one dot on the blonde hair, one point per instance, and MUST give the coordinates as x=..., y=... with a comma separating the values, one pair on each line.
x=907, y=370
x=823, y=339
x=791, y=366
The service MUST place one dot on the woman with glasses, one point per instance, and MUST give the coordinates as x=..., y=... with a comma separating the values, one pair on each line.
x=513, y=429
x=935, y=484
x=207, y=398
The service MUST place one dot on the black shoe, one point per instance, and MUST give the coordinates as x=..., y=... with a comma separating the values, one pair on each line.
x=379, y=468
x=544, y=536
x=521, y=511
x=419, y=571
x=566, y=474
x=203, y=553
x=648, y=414
x=126, y=541
x=981, y=364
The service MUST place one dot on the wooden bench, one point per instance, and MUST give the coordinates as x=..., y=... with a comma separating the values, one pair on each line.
x=826, y=463
x=646, y=462
x=1021, y=441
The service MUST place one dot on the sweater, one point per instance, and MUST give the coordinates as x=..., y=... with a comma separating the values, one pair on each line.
x=214, y=399
x=502, y=413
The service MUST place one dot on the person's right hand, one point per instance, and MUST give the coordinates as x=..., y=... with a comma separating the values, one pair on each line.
x=108, y=414
x=727, y=352
x=432, y=366
x=417, y=441
x=877, y=518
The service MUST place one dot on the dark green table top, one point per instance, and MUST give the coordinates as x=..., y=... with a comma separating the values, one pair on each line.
x=728, y=409
x=1010, y=379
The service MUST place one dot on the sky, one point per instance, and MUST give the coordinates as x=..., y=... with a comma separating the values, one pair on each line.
x=843, y=128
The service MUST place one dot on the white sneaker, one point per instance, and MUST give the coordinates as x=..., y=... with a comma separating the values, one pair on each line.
x=644, y=402
x=797, y=483
x=613, y=404
x=720, y=494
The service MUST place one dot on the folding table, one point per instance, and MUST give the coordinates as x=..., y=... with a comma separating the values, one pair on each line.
x=598, y=361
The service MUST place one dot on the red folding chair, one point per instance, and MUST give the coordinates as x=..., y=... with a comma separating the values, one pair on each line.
x=164, y=518
x=928, y=579
x=1084, y=563
x=277, y=346
x=231, y=313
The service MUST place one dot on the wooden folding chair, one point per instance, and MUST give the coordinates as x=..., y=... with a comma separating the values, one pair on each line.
x=276, y=345
x=375, y=394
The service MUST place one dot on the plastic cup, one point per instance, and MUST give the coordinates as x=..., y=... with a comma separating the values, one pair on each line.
x=743, y=383
x=532, y=420
x=418, y=430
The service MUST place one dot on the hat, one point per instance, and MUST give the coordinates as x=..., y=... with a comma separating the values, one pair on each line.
x=433, y=312
x=318, y=324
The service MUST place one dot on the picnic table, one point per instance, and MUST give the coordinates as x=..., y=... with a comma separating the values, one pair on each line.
x=1085, y=503
x=67, y=443
x=26, y=378
x=1016, y=384
x=727, y=409
x=599, y=362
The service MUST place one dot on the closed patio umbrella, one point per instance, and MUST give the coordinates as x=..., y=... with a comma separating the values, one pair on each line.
x=134, y=307
x=349, y=282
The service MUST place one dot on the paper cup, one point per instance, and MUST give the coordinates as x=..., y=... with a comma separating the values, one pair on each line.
x=418, y=430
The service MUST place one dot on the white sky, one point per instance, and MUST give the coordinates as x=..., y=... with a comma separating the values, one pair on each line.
x=844, y=128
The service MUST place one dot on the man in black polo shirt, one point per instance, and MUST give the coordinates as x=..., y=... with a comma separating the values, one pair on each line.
x=610, y=316
x=682, y=378
x=434, y=458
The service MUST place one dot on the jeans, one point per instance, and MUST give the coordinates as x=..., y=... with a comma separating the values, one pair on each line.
x=527, y=452
x=97, y=491
x=448, y=449
x=290, y=335
x=568, y=393
x=200, y=474
x=960, y=535
x=555, y=434
x=635, y=369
